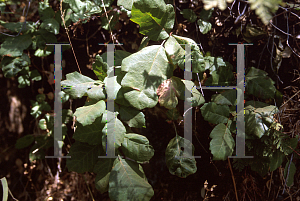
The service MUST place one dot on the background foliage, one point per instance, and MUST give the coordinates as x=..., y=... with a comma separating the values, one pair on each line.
x=149, y=78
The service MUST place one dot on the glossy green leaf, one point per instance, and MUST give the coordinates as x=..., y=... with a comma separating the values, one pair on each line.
x=125, y=3
x=50, y=25
x=119, y=130
x=100, y=68
x=291, y=169
x=134, y=118
x=214, y=63
x=168, y=92
x=214, y=113
x=83, y=157
x=208, y=4
x=90, y=134
x=86, y=115
x=204, y=26
x=117, y=86
x=222, y=143
x=178, y=158
x=196, y=98
x=137, y=147
x=276, y=160
x=227, y=97
x=259, y=85
x=128, y=182
x=103, y=168
x=24, y=141
x=97, y=93
x=76, y=84
x=155, y=18
x=148, y=67
x=257, y=120
x=189, y=14
x=14, y=46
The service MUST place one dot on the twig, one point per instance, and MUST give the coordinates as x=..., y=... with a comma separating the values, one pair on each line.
x=63, y=19
x=290, y=98
x=236, y=196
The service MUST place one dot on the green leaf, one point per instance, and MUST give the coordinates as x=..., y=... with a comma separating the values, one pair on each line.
x=50, y=25
x=222, y=77
x=119, y=131
x=292, y=170
x=276, y=160
x=214, y=113
x=125, y=3
x=46, y=13
x=14, y=46
x=168, y=92
x=23, y=81
x=144, y=42
x=206, y=14
x=83, y=157
x=174, y=50
x=4, y=189
x=259, y=84
x=76, y=84
x=11, y=66
x=137, y=147
x=37, y=108
x=148, y=67
x=35, y=75
x=204, y=26
x=189, y=14
x=184, y=40
x=214, y=63
x=100, y=68
x=90, y=134
x=222, y=144
x=264, y=8
x=179, y=161
x=197, y=98
x=86, y=115
x=24, y=141
x=208, y=4
x=257, y=120
x=128, y=182
x=119, y=56
x=156, y=19
x=256, y=104
x=288, y=145
x=228, y=97
x=103, y=168
x=131, y=116
x=97, y=93
x=173, y=114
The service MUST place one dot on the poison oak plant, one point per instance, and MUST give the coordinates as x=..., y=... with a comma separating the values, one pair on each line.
x=143, y=80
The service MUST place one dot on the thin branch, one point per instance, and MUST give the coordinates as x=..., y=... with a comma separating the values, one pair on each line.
x=63, y=19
